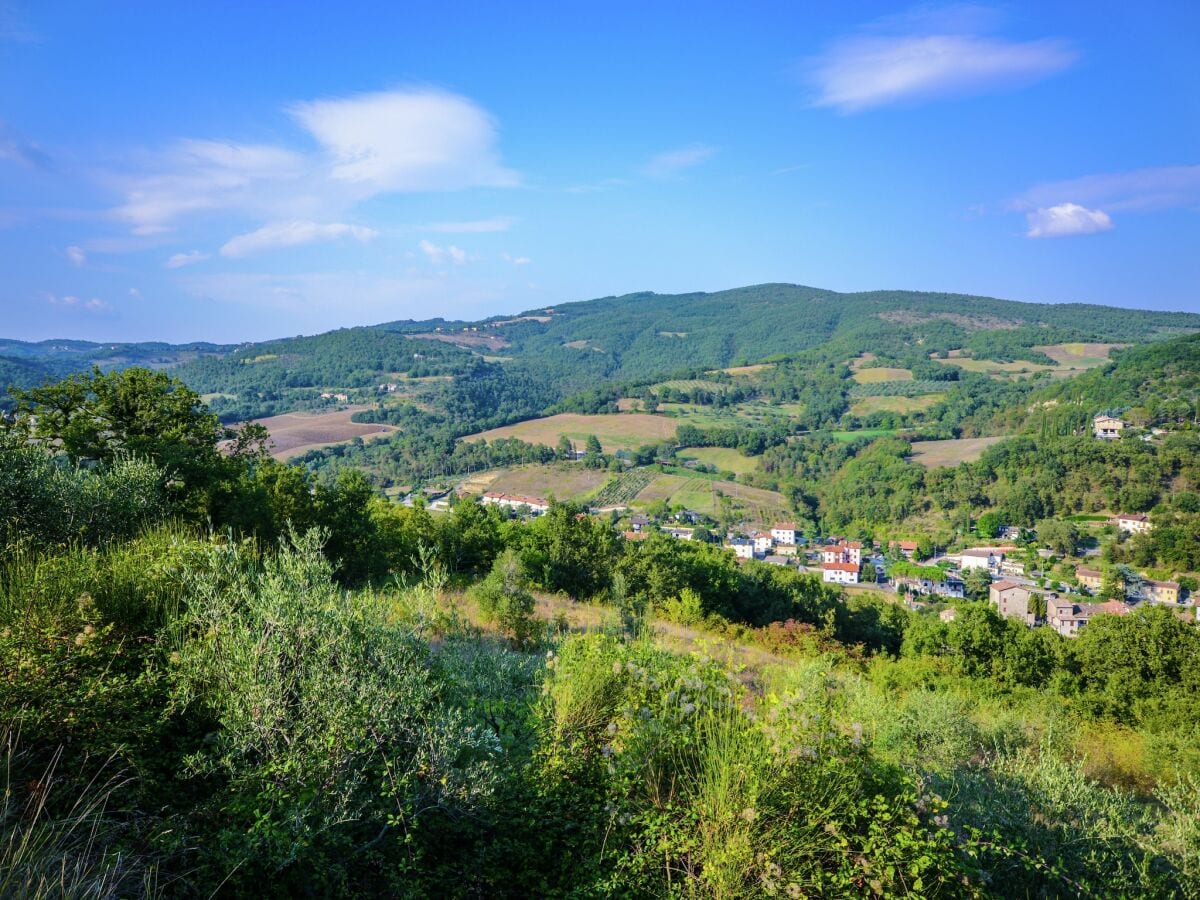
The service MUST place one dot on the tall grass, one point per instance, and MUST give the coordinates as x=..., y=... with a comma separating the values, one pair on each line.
x=44, y=854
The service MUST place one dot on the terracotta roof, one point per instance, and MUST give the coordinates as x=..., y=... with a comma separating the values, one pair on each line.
x=1132, y=517
x=1085, y=572
x=1002, y=586
x=839, y=567
x=636, y=535
x=784, y=526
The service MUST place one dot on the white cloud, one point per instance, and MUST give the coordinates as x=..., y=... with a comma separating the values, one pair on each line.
x=292, y=234
x=136, y=294
x=441, y=255
x=1141, y=190
x=75, y=255
x=1065, y=220
x=179, y=260
x=476, y=226
x=673, y=162
x=70, y=301
x=202, y=176
x=517, y=260
x=407, y=140
x=927, y=55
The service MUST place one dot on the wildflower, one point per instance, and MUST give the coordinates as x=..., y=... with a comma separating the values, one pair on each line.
x=941, y=821
x=617, y=667
x=749, y=814
x=689, y=708
x=612, y=728
x=795, y=891
x=175, y=657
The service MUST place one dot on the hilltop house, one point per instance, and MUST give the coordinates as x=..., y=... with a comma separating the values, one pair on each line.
x=907, y=549
x=1107, y=428
x=535, y=505
x=784, y=533
x=763, y=542
x=839, y=572
x=1012, y=600
x=1067, y=618
x=1131, y=524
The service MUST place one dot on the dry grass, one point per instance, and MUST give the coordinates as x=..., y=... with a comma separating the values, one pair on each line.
x=903, y=405
x=757, y=506
x=625, y=431
x=877, y=374
x=932, y=454
x=296, y=433
x=1080, y=356
x=472, y=340
x=726, y=460
x=747, y=370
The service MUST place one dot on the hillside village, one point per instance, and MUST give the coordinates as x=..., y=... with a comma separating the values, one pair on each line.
x=1022, y=577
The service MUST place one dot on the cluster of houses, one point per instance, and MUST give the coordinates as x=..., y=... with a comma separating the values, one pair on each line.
x=534, y=506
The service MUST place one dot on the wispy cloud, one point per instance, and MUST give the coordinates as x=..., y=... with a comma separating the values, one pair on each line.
x=15, y=147
x=1162, y=187
x=179, y=260
x=442, y=255
x=476, y=226
x=1065, y=220
x=371, y=144
x=292, y=234
x=75, y=256
x=70, y=301
x=196, y=176
x=407, y=140
x=517, y=260
x=674, y=162
x=927, y=56
x=1086, y=205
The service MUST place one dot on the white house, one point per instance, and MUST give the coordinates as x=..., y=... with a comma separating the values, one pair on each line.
x=980, y=558
x=839, y=572
x=742, y=548
x=844, y=552
x=682, y=534
x=763, y=542
x=784, y=533
x=1132, y=524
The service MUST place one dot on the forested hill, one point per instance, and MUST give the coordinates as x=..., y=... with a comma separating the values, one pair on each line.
x=647, y=333
x=556, y=352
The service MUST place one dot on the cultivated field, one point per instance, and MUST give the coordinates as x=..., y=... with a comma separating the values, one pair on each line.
x=1071, y=358
x=868, y=405
x=876, y=374
x=626, y=431
x=691, y=384
x=565, y=481
x=725, y=459
x=296, y=433
x=932, y=454
x=752, y=413
x=748, y=370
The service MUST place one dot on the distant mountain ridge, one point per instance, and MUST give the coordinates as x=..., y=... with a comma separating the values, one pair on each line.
x=581, y=344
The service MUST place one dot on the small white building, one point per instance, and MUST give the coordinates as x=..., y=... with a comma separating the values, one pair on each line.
x=844, y=552
x=742, y=548
x=839, y=572
x=784, y=533
x=763, y=542
x=1132, y=524
x=980, y=558
x=681, y=534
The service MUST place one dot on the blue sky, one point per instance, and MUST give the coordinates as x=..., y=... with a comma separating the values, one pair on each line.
x=232, y=171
